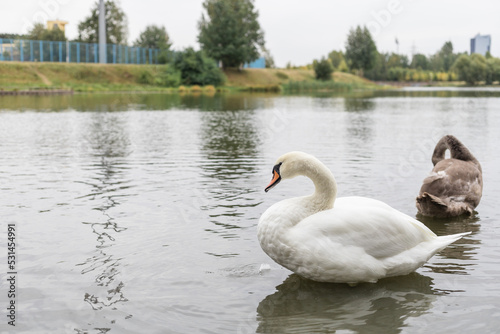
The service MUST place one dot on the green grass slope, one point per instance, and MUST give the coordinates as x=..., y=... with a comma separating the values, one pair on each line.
x=97, y=77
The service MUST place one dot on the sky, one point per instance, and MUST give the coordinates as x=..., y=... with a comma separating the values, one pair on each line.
x=295, y=31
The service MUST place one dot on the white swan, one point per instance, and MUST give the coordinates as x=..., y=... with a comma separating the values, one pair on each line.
x=344, y=240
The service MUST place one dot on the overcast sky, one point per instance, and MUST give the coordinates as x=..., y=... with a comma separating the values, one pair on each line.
x=296, y=31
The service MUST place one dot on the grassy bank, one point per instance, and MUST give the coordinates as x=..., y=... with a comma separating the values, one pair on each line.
x=78, y=77
x=96, y=77
x=289, y=80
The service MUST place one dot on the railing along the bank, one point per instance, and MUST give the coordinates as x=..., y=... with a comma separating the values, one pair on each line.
x=73, y=52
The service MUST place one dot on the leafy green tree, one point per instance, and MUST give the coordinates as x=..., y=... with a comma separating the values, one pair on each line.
x=493, y=70
x=419, y=61
x=471, y=69
x=336, y=57
x=379, y=70
x=479, y=67
x=461, y=67
x=40, y=33
x=116, y=25
x=12, y=36
x=343, y=66
x=360, y=49
x=37, y=31
x=436, y=62
x=154, y=37
x=230, y=31
x=446, y=54
x=198, y=69
x=443, y=60
x=269, y=59
x=396, y=60
x=323, y=69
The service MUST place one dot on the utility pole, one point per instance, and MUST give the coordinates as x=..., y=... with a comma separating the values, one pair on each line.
x=102, y=33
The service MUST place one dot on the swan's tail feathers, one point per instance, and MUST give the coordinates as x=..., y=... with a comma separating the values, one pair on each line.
x=445, y=240
x=430, y=199
x=431, y=205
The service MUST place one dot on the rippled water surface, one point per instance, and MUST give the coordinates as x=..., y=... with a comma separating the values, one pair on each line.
x=138, y=213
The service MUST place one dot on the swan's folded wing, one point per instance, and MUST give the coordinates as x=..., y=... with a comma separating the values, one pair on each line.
x=378, y=230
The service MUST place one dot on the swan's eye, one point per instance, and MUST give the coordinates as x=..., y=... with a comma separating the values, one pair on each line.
x=276, y=168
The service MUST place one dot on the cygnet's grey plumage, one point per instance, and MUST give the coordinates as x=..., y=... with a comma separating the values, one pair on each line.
x=455, y=185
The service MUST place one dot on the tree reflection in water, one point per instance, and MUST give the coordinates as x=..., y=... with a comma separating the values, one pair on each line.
x=108, y=143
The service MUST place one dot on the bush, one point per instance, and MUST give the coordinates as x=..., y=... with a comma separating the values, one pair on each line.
x=282, y=75
x=396, y=74
x=146, y=78
x=209, y=89
x=195, y=89
x=165, y=56
x=343, y=66
x=442, y=76
x=323, y=69
x=168, y=77
x=198, y=69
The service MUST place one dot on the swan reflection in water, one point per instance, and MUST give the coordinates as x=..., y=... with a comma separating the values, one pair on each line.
x=462, y=256
x=304, y=306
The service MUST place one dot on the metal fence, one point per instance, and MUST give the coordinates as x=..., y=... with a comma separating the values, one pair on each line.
x=74, y=52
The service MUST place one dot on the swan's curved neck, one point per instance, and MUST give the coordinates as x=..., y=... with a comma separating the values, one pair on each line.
x=457, y=150
x=325, y=186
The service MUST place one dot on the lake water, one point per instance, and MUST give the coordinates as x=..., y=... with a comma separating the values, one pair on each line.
x=138, y=213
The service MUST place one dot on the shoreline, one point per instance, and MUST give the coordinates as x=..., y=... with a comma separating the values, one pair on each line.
x=35, y=78
x=37, y=92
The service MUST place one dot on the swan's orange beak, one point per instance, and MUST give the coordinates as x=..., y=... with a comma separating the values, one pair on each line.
x=276, y=178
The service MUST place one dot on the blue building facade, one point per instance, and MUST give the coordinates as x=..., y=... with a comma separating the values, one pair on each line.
x=480, y=44
x=259, y=63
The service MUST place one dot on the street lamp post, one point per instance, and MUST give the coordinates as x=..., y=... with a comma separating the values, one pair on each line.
x=102, y=33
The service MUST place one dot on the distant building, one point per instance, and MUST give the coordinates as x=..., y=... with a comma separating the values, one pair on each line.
x=56, y=24
x=480, y=44
x=259, y=63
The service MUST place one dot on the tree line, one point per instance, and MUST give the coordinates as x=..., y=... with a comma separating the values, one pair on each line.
x=229, y=36
x=362, y=57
